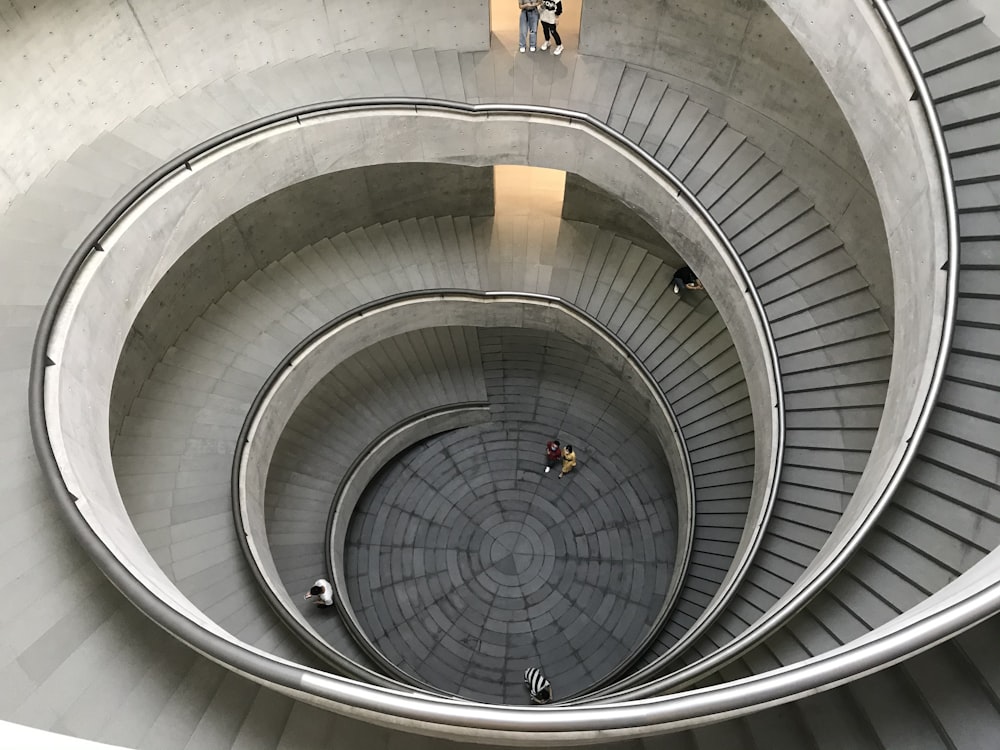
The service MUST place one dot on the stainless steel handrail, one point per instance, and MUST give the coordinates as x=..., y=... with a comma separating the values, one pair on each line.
x=343, y=694
x=294, y=358
x=757, y=635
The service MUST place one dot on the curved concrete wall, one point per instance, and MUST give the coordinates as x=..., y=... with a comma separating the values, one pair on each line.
x=281, y=223
x=77, y=68
x=185, y=205
x=733, y=57
x=739, y=60
x=288, y=154
x=586, y=202
x=857, y=59
x=505, y=311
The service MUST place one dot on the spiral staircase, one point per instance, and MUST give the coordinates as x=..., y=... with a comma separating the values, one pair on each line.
x=262, y=324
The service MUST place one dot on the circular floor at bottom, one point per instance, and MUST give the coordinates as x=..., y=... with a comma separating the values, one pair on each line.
x=468, y=563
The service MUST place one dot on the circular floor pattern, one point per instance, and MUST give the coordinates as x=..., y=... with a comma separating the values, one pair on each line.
x=467, y=563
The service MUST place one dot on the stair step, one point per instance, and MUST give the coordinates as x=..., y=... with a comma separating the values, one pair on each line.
x=940, y=22
x=966, y=45
x=908, y=10
x=429, y=77
x=683, y=128
x=743, y=159
x=646, y=102
x=979, y=74
x=980, y=167
x=382, y=62
x=983, y=196
x=714, y=158
x=704, y=137
x=595, y=85
x=980, y=225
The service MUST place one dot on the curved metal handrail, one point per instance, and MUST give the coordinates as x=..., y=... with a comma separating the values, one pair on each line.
x=294, y=358
x=92, y=243
x=340, y=596
x=952, y=230
x=420, y=713
x=326, y=651
x=851, y=545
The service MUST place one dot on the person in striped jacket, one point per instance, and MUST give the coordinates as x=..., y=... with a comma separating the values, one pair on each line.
x=538, y=687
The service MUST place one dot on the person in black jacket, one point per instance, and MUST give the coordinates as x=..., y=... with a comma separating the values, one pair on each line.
x=685, y=278
x=550, y=11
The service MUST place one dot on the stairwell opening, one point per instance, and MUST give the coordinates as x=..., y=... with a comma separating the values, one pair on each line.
x=504, y=18
x=519, y=190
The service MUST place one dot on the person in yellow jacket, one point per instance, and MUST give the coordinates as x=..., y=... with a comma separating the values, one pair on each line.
x=569, y=461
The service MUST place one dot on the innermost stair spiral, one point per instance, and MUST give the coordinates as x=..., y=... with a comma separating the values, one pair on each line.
x=468, y=563
x=518, y=554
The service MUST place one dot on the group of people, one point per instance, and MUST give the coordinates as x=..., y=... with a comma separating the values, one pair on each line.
x=546, y=11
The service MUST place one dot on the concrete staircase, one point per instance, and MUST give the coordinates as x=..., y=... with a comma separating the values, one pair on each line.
x=216, y=367
x=150, y=692
x=944, y=518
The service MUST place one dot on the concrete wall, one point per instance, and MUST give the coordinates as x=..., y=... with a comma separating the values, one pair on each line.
x=94, y=324
x=584, y=201
x=737, y=58
x=861, y=65
x=145, y=245
x=73, y=69
x=281, y=223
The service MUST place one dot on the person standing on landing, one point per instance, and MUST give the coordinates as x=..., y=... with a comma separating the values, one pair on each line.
x=553, y=454
x=529, y=22
x=550, y=12
x=569, y=461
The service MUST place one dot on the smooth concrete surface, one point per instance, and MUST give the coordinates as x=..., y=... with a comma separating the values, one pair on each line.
x=286, y=525
x=454, y=310
x=381, y=389
x=211, y=371
x=876, y=712
x=990, y=10
x=158, y=72
x=915, y=223
x=940, y=504
x=283, y=148
x=528, y=191
x=585, y=202
x=894, y=137
x=740, y=61
x=497, y=565
x=548, y=148
x=301, y=214
x=26, y=738
x=127, y=58
x=354, y=482
x=585, y=86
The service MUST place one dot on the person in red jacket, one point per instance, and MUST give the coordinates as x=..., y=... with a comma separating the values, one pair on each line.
x=553, y=454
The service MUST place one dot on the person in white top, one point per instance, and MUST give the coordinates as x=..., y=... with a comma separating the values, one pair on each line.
x=550, y=12
x=322, y=592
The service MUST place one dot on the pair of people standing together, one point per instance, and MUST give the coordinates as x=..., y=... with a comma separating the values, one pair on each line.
x=548, y=11
x=554, y=454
